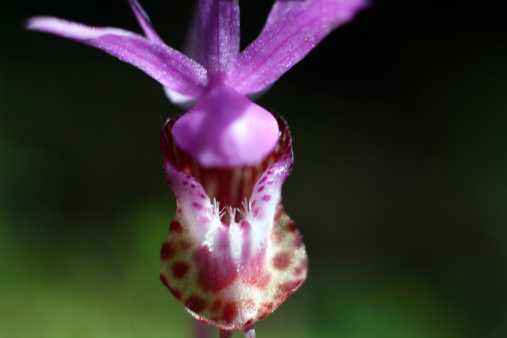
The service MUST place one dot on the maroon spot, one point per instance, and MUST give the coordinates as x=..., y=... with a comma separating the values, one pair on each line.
x=302, y=267
x=260, y=280
x=282, y=260
x=168, y=251
x=179, y=269
x=290, y=286
x=201, y=195
x=298, y=241
x=266, y=309
x=262, y=313
x=195, y=304
x=266, y=197
x=189, y=177
x=277, y=234
x=260, y=189
x=269, y=306
x=282, y=298
x=249, y=322
x=256, y=212
x=270, y=172
x=291, y=226
x=263, y=180
x=217, y=304
x=271, y=182
x=253, y=203
x=184, y=245
x=255, y=272
x=192, y=186
x=176, y=294
x=176, y=227
x=230, y=312
x=185, y=183
x=179, y=210
x=198, y=206
x=215, y=273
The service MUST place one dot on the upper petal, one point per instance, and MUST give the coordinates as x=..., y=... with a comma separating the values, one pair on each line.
x=218, y=34
x=166, y=65
x=292, y=30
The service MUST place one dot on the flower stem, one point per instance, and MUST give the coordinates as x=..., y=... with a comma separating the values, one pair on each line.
x=202, y=330
x=226, y=334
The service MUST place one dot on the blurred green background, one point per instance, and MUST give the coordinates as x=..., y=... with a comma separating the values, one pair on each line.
x=399, y=123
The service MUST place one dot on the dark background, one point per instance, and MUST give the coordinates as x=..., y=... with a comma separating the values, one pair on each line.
x=399, y=122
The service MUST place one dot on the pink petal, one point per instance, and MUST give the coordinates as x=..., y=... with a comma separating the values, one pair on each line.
x=144, y=22
x=166, y=65
x=232, y=273
x=292, y=30
x=226, y=130
x=218, y=34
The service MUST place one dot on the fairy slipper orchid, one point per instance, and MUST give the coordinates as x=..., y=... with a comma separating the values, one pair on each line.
x=229, y=267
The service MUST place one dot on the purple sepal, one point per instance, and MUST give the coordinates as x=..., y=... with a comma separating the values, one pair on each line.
x=144, y=21
x=218, y=34
x=163, y=63
x=292, y=30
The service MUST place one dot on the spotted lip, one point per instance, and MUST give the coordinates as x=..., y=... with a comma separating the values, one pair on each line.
x=231, y=270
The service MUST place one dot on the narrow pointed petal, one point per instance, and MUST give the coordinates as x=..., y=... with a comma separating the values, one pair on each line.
x=232, y=274
x=144, y=21
x=166, y=65
x=218, y=34
x=225, y=129
x=292, y=30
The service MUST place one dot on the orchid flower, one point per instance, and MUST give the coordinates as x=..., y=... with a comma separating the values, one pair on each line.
x=233, y=266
